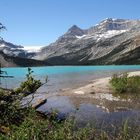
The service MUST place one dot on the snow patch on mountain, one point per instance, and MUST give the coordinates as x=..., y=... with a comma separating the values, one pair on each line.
x=79, y=37
x=2, y=45
x=111, y=33
x=105, y=35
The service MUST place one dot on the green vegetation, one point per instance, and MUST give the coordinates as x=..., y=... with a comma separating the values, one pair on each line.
x=9, y=108
x=36, y=127
x=30, y=85
x=125, y=84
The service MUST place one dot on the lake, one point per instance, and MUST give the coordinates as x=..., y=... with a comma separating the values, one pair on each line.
x=66, y=77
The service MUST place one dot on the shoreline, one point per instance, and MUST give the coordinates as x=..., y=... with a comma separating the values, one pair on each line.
x=100, y=85
x=100, y=93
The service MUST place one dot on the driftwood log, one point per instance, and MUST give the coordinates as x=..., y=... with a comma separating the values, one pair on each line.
x=39, y=103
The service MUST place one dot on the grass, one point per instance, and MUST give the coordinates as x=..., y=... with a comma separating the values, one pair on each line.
x=125, y=84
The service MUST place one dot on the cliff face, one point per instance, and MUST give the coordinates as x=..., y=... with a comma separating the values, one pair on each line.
x=112, y=41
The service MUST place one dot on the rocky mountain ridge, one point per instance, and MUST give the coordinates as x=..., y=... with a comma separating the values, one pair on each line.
x=14, y=55
x=14, y=50
x=112, y=41
x=108, y=42
x=10, y=61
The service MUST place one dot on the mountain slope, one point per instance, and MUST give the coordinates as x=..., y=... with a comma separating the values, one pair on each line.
x=10, y=61
x=15, y=50
x=112, y=41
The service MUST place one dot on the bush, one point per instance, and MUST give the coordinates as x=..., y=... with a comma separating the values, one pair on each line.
x=10, y=111
x=30, y=85
x=125, y=84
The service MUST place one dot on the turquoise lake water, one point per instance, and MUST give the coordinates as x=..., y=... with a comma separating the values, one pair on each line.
x=64, y=76
x=20, y=71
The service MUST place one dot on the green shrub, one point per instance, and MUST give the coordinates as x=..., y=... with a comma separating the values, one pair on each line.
x=125, y=84
x=10, y=111
x=30, y=85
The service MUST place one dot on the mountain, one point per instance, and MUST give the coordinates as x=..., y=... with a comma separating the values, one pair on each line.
x=15, y=55
x=112, y=41
x=10, y=61
x=15, y=50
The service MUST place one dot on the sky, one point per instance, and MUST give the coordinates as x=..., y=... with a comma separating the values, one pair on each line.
x=41, y=22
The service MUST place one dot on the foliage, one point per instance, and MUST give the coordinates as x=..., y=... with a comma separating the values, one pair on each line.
x=125, y=84
x=119, y=84
x=10, y=109
x=30, y=85
x=2, y=26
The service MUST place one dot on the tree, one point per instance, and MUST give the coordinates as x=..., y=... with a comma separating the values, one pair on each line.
x=30, y=85
x=2, y=27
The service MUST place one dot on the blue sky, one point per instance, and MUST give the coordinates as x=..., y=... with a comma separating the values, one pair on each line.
x=40, y=22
